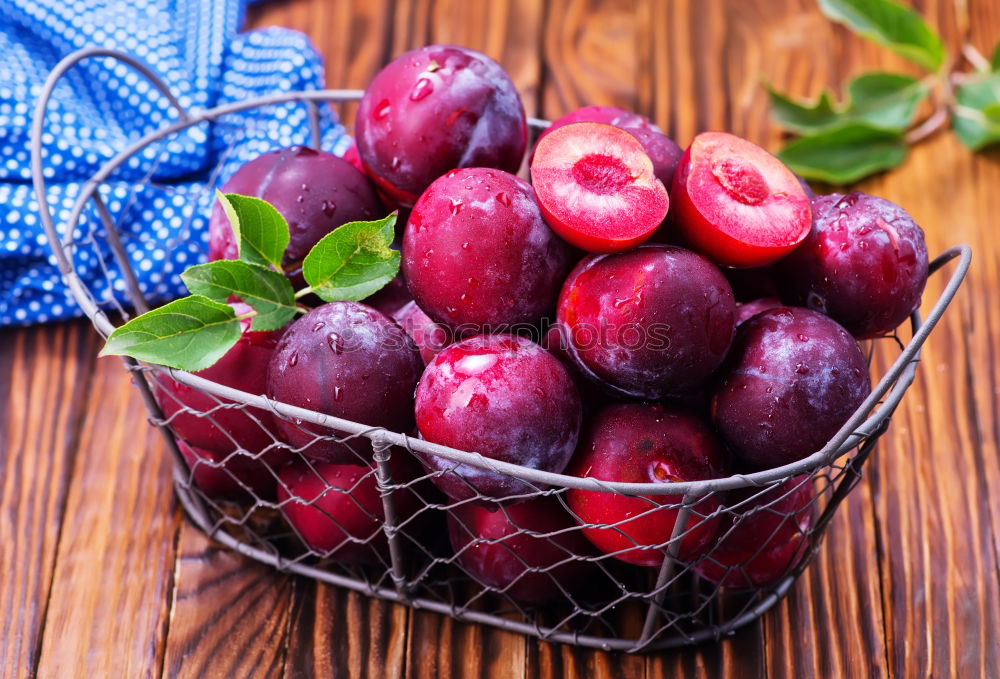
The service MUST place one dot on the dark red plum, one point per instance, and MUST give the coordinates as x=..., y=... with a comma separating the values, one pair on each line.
x=347, y=360
x=337, y=509
x=661, y=149
x=763, y=536
x=596, y=187
x=864, y=263
x=228, y=476
x=649, y=323
x=351, y=155
x=751, y=284
x=609, y=115
x=435, y=109
x=747, y=310
x=391, y=298
x=430, y=337
x=314, y=191
x=736, y=203
x=504, y=397
x=793, y=377
x=211, y=423
x=525, y=550
x=634, y=443
x=477, y=254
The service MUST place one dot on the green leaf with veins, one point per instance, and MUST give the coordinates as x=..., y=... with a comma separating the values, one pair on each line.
x=190, y=334
x=261, y=232
x=269, y=293
x=976, y=119
x=845, y=154
x=891, y=24
x=884, y=100
x=353, y=261
x=800, y=116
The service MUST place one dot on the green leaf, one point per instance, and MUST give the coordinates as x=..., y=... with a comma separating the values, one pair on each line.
x=261, y=232
x=353, y=261
x=891, y=24
x=844, y=154
x=190, y=334
x=885, y=100
x=269, y=293
x=995, y=59
x=799, y=116
x=977, y=114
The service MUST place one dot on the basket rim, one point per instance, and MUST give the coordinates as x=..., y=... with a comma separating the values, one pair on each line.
x=860, y=425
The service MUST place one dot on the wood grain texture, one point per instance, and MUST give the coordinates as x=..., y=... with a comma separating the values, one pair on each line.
x=105, y=579
x=44, y=384
x=111, y=589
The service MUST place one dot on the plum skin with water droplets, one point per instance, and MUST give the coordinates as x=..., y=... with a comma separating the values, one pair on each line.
x=492, y=545
x=476, y=252
x=792, y=378
x=504, y=397
x=220, y=474
x=637, y=443
x=864, y=263
x=652, y=322
x=348, y=360
x=314, y=191
x=434, y=109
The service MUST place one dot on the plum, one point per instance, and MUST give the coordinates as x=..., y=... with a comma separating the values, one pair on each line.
x=751, y=284
x=526, y=550
x=348, y=360
x=661, y=149
x=337, y=509
x=229, y=476
x=609, y=115
x=429, y=336
x=391, y=299
x=210, y=423
x=504, y=397
x=648, y=323
x=747, y=310
x=477, y=255
x=635, y=443
x=763, y=536
x=792, y=379
x=736, y=203
x=435, y=109
x=314, y=191
x=597, y=188
x=864, y=263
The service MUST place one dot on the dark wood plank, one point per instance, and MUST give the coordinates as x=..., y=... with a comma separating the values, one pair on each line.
x=111, y=589
x=44, y=384
x=230, y=617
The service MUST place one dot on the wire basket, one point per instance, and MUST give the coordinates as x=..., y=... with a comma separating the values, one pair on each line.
x=407, y=558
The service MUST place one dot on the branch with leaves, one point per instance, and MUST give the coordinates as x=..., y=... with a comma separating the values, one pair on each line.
x=871, y=128
x=348, y=264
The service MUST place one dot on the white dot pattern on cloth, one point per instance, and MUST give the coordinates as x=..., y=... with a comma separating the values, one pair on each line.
x=160, y=199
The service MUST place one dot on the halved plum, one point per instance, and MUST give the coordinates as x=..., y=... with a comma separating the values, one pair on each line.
x=736, y=203
x=597, y=188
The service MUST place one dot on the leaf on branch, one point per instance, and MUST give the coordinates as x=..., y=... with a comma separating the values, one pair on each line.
x=269, y=293
x=353, y=261
x=261, y=232
x=845, y=154
x=976, y=119
x=891, y=24
x=190, y=334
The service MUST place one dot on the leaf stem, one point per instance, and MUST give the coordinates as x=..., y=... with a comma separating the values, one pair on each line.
x=247, y=316
x=303, y=292
x=302, y=308
x=975, y=57
x=932, y=124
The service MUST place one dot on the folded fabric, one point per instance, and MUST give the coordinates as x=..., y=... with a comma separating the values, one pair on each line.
x=160, y=199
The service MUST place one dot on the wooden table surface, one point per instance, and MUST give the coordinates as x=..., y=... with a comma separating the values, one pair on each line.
x=102, y=576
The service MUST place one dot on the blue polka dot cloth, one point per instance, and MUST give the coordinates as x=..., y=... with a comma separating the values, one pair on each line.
x=160, y=199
